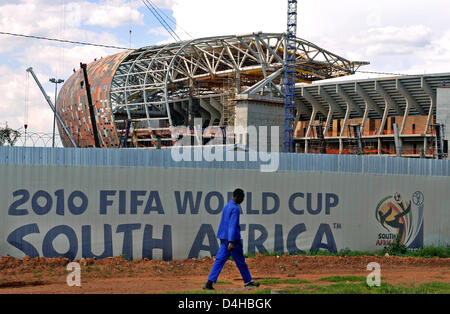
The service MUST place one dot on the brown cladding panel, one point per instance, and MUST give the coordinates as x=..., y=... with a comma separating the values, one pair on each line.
x=73, y=107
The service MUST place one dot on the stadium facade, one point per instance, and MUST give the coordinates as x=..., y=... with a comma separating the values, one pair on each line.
x=402, y=115
x=141, y=96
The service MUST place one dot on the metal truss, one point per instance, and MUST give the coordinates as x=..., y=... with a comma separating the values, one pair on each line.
x=151, y=84
x=290, y=78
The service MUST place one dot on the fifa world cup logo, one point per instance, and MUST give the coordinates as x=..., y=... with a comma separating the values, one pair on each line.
x=392, y=213
x=396, y=216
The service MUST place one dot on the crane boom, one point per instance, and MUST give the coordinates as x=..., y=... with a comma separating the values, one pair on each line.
x=289, y=80
x=47, y=98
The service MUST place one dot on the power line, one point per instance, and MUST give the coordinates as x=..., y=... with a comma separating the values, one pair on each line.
x=161, y=20
x=173, y=21
x=63, y=41
x=157, y=12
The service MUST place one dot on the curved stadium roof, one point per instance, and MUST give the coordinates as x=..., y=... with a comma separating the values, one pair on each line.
x=145, y=85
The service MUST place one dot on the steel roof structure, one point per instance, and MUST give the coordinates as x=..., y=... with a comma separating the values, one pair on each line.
x=152, y=77
x=151, y=86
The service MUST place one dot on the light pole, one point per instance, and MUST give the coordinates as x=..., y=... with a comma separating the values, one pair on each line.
x=56, y=82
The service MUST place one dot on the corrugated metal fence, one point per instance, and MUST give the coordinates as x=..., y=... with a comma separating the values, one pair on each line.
x=143, y=203
x=163, y=158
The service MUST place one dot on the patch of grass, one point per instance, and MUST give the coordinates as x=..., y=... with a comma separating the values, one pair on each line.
x=432, y=251
x=312, y=287
x=275, y=281
x=125, y=258
x=260, y=291
x=345, y=288
x=344, y=279
x=223, y=282
x=107, y=271
x=436, y=287
x=51, y=270
x=385, y=288
x=343, y=252
x=396, y=249
x=37, y=274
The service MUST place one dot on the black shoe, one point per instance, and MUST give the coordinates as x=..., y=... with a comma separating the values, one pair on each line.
x=251, y=284
x=208, y=286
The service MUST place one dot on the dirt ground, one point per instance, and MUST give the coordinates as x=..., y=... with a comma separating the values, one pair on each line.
x=117, y=275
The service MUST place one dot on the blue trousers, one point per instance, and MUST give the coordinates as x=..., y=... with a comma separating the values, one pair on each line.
x=222, y=256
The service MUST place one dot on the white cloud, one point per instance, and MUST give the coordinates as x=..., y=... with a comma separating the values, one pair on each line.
x=393, y=40
x=203, y=18
x=112, y=13
x=434, y=58
x=50, y=19
x=12, y=105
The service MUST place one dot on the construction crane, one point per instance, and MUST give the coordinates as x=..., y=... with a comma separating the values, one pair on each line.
x=289, y=80
x=47, y=98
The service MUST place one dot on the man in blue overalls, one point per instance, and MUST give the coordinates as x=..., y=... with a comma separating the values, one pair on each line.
x=230, y=243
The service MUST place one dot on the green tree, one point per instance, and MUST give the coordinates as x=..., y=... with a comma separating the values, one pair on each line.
x=8, y=135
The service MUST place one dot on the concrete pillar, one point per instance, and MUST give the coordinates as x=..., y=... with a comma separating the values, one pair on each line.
x=443, y=110
x=255, y=110
x=425, y=142
x=191, y=115
x=238, y=82
x=398, y=141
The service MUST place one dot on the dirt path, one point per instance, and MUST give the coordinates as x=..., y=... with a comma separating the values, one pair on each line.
x=117, y=275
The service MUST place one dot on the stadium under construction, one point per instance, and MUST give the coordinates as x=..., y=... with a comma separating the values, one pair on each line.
x=140, y=97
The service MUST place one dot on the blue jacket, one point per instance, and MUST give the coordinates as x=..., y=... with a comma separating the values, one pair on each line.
x=229, y=228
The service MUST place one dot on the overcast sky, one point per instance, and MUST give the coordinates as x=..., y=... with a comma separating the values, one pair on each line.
x=398, y=36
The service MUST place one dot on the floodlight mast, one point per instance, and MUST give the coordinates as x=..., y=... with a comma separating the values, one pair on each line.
x=47, y=98
x=56, y=82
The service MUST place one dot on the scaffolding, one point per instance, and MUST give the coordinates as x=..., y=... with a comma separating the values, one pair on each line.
x=355, y=145
x=229, y=102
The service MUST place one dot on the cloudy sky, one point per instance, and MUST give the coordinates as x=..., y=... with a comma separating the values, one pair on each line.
x=399, y=36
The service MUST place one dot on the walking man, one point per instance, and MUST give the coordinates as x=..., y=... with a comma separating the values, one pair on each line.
x=230, y=243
